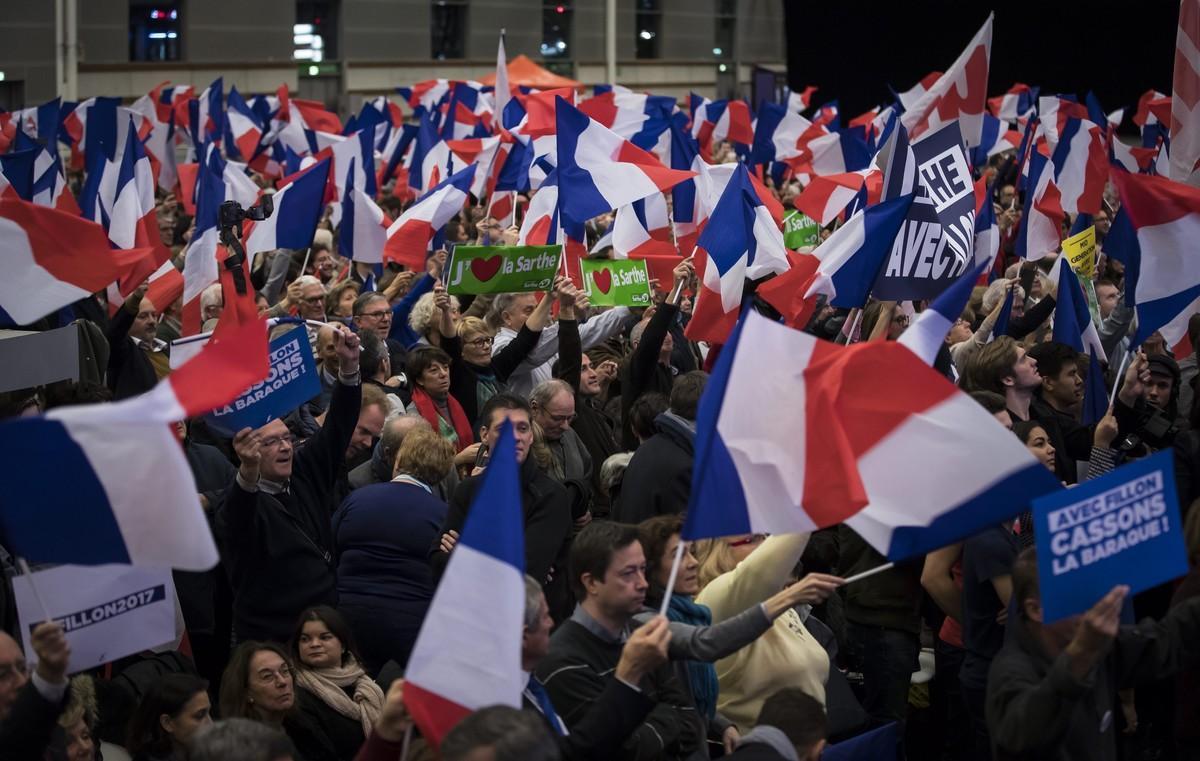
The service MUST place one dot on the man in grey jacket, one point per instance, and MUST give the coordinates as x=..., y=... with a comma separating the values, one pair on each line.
x=1052, y=689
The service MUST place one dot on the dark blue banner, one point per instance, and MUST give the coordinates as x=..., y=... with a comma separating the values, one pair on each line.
x=292, y=381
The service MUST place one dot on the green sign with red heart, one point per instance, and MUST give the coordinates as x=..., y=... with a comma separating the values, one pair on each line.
x=616, y=282
x=502, y=269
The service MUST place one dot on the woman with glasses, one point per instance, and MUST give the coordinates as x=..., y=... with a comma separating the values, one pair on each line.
x=477, y=375
x=706, y=642
x=333, y=691
x=428, y=369
x=259, y=685
x=738, y=572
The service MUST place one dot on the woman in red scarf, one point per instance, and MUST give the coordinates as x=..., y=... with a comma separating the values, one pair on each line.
x=429, y=369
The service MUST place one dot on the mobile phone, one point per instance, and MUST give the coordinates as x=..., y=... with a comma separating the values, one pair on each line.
x=482, y=456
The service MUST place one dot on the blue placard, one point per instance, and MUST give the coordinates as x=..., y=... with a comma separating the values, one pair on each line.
x=292, y=381
x=935, y=244
x=1122, y=528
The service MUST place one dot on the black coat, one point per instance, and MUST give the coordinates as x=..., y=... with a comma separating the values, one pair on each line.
x=26, y=732
x=644, y=372
x=547, y=517
x=595, y=428
x=658, y=480
x=130, y=371
x=321, y=733
x=599, y=734
x=278, y=548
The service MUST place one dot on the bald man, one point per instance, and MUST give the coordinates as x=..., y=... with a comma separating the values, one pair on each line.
x=29, y=707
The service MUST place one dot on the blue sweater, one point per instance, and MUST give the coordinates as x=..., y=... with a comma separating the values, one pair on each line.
x=382, y=534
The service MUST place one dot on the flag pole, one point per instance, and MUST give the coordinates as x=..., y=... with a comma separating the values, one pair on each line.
x=1117, y=378
x=304, y=266
x=408, y=732
x=671, y=578
x=37, y=595
x=866, y=574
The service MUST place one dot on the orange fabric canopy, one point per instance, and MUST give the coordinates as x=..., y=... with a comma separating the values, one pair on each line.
x=523, y=71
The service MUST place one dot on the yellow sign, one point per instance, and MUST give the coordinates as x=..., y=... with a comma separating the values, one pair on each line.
x=1080, y=250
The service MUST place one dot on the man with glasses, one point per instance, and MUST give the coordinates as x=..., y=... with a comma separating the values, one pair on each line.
x=275, y=523
x=31, y=703
x=553, y=404
x=373, y=313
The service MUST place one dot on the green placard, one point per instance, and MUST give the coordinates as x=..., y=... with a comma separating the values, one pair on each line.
x=502, y=269
x=616, y=282
x=799, y=231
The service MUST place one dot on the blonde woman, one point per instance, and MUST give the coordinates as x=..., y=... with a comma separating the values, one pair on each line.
x=739, y=572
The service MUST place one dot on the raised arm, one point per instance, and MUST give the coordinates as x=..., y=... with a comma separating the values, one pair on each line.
x=756, y=578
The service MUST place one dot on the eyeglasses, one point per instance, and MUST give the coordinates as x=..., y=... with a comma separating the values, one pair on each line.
x=752, y=539
x=479, y=343
x=266, y=676
x=377, y=315
x=272, y=441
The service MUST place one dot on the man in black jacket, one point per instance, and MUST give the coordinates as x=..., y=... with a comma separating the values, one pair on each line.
x=1052, y=689
x=621, y=705
x=596, y=429
x=608, y=577
x=275, y=523
x=658, y=480
x=131, y=342
x=791, y=727
x=649, y=367
x=30, y=705
x=546, y=511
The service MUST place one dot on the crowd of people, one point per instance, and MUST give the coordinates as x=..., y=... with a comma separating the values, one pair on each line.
x=335, y=524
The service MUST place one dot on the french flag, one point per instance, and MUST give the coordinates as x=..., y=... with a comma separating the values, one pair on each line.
x=1042, y=217
x=987, y=230
x=110, y=481
x=1154, y=236
x=52, y=258
x=721, y=120
x=994, y=138
x=40, y=122
x=828, y=195
x=912, y=95
x=164, y=286
x=1080, y=166
x=462, y=663
x=642, y=229
x=244, y=126
x=159, y=143
x=598, y=171
x=627, y=113
x=49, y=185
x=200, y=263
x=429, y=157
x=817, y=445
x=778, y=134
x=928, y=332
x=354, y=163
x=540, y=225
x=852, y=257
x=740, y=240
x=297, y=212
x=363, y=229
x=798, y=102
x=1018, y=103
x=832, y=153
x=409, y=236
x=960, y=93
x=482, y=152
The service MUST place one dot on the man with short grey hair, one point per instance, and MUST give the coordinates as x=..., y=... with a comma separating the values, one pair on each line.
x=241, y=740
x=553, y=404
x=379, y=468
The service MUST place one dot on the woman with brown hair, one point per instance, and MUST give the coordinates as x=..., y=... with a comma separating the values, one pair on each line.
x=258, y=684
x=382, y=535
x=333, y=690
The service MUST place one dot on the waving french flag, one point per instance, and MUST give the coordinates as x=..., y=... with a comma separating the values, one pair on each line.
x=960, y=93
x=354, y=163
x=200, y=262
x=741, y=240
x=1154, y=236
x=721, y=120
x=429, y=158
x=52, y=258
x=1073, y=326
x=994, y=137
x=778, y=134
x=409, y=236
x=817, y=444
x=598, y=171
x=1080, y=165
x=642, y=229
x=825, y=197
x=159, y=142
x=853, y=256
x=485, y=575
x=111, y=482
x=1018, y=103
x=296, y=214
x=799, y=101
x=49, y=184
x=1041, y=221
x=244, y=126
x=40, y=122
x=363, y=229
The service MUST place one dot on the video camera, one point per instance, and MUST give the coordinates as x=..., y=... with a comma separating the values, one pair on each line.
x=230, y=218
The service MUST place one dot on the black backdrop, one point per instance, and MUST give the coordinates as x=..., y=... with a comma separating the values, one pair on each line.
x=854, y=50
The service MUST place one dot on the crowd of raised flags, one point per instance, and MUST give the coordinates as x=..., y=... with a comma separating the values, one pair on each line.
x=794, y=433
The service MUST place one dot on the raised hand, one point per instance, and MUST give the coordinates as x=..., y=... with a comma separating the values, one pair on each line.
x=247, y=444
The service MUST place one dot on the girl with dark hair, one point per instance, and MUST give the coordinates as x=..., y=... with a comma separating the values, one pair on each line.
x=335, y=694
x=174, y=709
